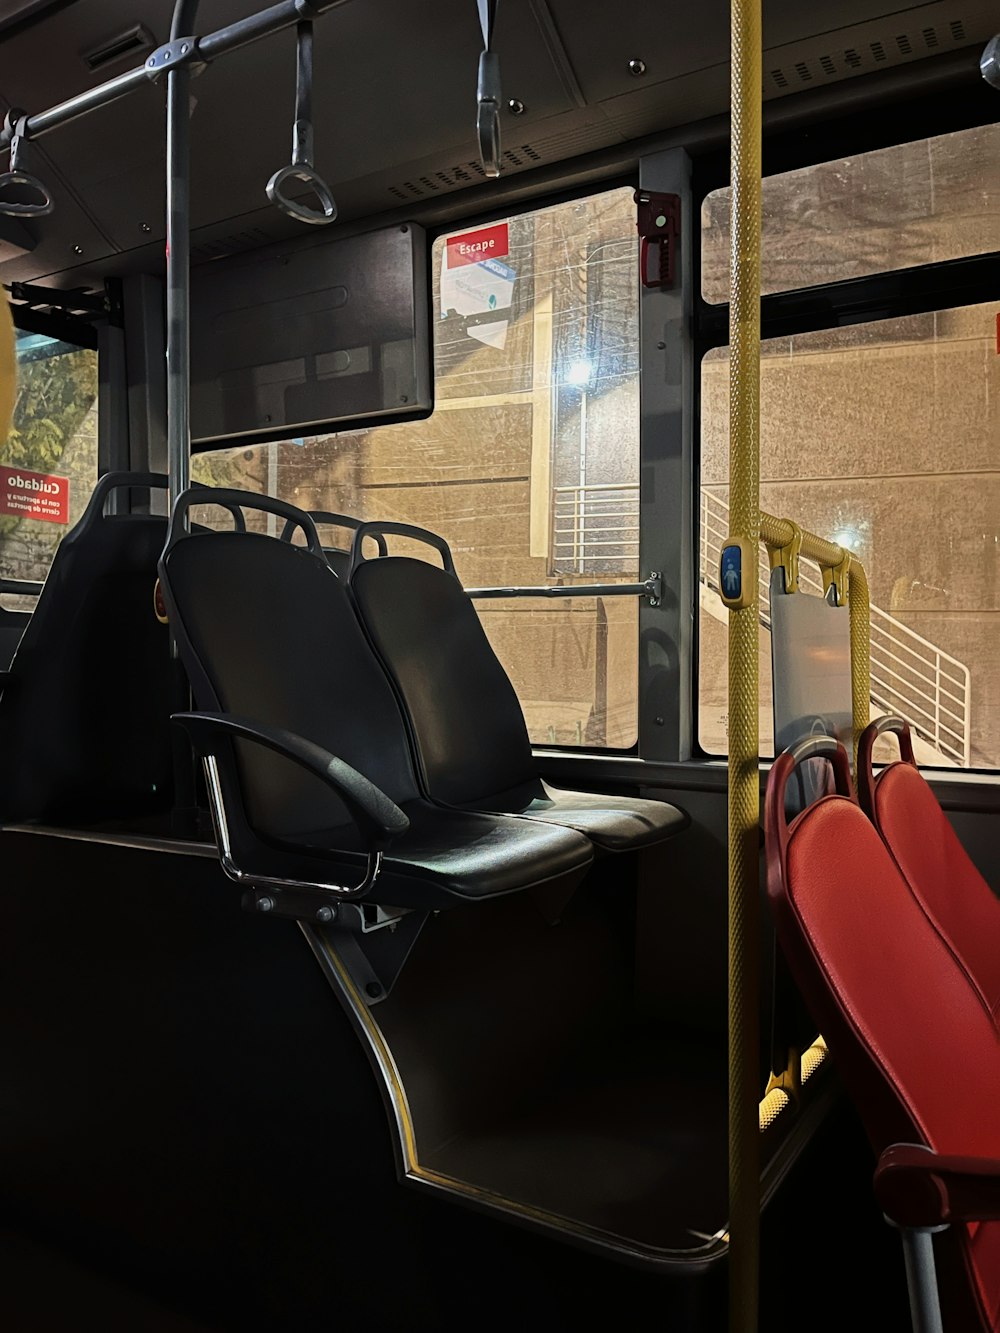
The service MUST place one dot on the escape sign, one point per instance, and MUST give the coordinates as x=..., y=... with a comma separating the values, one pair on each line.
x=472, y=247
x=475, y=285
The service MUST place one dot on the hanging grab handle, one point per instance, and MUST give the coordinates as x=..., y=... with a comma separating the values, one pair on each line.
x=14, y=178
x=488, y=93
x=989, y=65
x=301, y=168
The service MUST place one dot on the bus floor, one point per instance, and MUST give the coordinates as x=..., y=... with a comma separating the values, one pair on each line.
x=828, y=1269
x=43, y=1291
x=187, y=1120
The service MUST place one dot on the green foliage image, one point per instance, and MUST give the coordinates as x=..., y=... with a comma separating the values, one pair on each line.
x=55, y=391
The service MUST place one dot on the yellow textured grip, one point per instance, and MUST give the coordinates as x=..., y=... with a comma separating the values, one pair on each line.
x=8, y=371
x=744, y=627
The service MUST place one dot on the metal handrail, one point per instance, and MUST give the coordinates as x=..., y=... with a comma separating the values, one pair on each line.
x=22, y=587
x=930, y=714
x=650, y=588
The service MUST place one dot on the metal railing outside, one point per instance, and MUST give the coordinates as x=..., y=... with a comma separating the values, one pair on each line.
x=909, y=674
x=595, y=528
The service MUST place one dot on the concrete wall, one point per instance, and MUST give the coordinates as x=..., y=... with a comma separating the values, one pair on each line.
x=886, y=436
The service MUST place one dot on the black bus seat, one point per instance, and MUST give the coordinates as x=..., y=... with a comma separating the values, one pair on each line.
x=12, y=627
x=337, y=557
x=270, y=641
x=92, y=655
x=927, y=850
x=917, y=1048
x=466, y=723
x=93, y=652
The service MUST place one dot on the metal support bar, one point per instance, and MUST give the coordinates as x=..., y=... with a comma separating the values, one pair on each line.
x=183, y=51
x=219, y=43
x=744, y=629
x=255, y=26
x=178, y=281
x=301, y=899
x=651, y=589
x=921, y=1277
x=23, y=587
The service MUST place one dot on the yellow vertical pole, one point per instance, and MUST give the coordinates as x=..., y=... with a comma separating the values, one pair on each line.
x=744, y=782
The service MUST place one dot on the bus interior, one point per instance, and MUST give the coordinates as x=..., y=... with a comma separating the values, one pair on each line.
x=385, y=482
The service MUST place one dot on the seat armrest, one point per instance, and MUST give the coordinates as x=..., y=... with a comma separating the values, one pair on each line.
x=378, y=818
x=917, y=1187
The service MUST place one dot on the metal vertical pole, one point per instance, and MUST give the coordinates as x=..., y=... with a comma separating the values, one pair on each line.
x=178, y=260
x=921, y=1279
x=744, y=628
x=179, y=366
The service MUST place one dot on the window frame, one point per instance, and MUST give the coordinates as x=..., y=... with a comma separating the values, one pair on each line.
x=925, y=289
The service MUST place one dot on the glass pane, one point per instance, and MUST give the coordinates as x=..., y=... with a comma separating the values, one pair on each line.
x=916, y=203
x=48, y=464
x=574, y=665
x=529, y=465
x=883, y=437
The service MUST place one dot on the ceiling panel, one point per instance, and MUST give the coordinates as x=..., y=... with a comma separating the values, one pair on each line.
x=394, y=101
x=387, y=92
x=601, y=40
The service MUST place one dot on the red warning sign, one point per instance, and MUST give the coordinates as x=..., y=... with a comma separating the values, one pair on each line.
x=34, y=495
x=472, y=247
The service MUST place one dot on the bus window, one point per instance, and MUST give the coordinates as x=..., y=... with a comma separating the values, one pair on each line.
x=882, y=436
x=915, y=203
x=49, y=461
x=529, y=464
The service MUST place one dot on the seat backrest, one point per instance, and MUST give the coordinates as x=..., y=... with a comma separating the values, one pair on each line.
x=12, y=627
x=466, y=721
x=267, y=631
x=84, y=715
x=918, y=1049
x=959, y=902
x=337, y=557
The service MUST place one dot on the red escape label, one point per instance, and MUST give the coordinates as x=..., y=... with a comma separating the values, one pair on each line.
x=34, y=495
x=472, y=247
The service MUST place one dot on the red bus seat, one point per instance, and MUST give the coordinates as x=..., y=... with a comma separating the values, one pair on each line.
x=962, y=906
x=918, y=1049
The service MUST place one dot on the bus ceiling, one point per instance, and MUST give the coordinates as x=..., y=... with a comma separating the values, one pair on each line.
x=584, y=86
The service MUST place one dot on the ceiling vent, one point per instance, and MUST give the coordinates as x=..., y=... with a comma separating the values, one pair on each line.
x=124, y=45
x=464, y=173
x=237, y=242
x=838, y=62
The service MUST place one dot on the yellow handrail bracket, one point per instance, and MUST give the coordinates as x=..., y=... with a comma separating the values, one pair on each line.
x=837, y=577
x=787, y=557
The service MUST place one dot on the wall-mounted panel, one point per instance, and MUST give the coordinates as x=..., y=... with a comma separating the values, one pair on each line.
x=295, y=340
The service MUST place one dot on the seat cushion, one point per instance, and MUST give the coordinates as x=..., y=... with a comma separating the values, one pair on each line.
x=612, y=823
x=451, y=855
